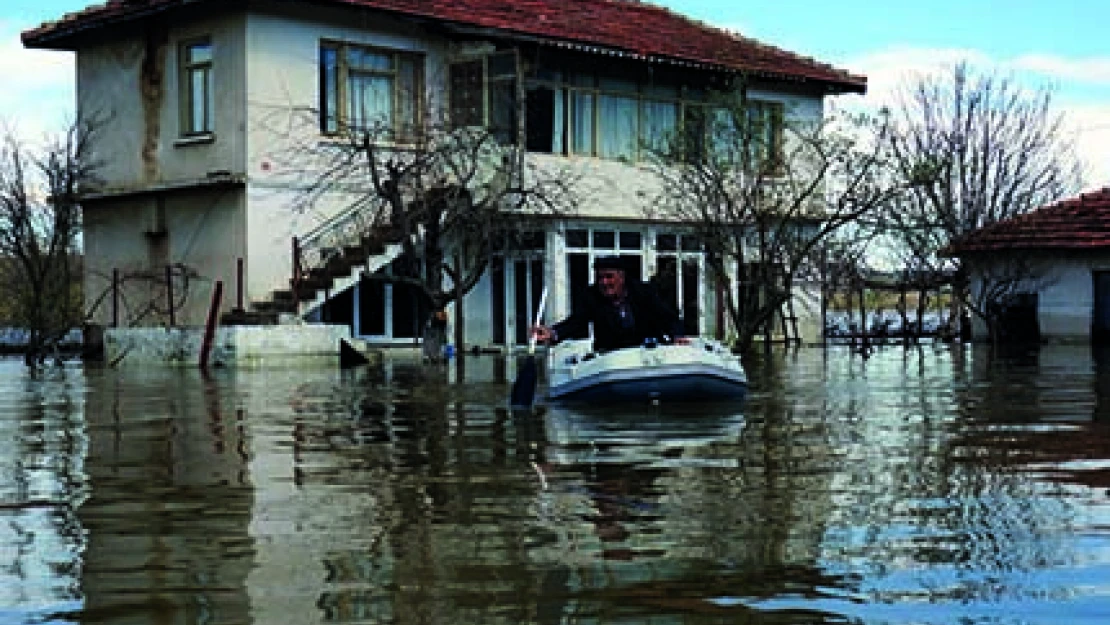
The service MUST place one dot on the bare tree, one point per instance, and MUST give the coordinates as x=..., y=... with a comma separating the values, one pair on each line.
x=763, y=203
x=979, y=150
x=40, y=223
x=450, y=197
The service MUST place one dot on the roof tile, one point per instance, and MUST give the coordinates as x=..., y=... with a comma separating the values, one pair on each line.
x=1081, y=222
x=629, y=26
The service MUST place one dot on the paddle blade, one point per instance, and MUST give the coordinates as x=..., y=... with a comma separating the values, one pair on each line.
x=524, y=388
x=349, y=356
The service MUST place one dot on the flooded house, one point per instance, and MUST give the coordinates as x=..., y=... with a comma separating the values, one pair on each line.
x=193, y=102
x=1045, y=274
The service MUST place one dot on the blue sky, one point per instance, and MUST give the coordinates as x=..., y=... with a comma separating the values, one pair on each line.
x=1059, y=43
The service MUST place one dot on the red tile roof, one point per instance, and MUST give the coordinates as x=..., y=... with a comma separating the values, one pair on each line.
x=1079, y=223
x=626, y=26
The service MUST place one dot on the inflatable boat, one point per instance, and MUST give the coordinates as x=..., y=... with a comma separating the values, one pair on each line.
x=698, y=369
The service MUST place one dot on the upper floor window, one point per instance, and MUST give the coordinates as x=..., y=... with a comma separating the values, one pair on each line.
x=370, y=90
x=483, y=92
x=196, y=88
x=609, y=117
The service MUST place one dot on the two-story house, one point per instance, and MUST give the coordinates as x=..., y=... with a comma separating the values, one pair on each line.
x=189, y=97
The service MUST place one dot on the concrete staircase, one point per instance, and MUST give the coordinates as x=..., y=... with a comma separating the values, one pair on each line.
x=332, y=270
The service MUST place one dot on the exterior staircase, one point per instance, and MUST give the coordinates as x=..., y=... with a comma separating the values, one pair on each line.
x=328, y=260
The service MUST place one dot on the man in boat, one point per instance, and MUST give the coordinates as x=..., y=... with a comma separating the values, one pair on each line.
x=622, y=314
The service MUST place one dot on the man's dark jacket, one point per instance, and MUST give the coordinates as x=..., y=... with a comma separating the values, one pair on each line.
x=651, y=318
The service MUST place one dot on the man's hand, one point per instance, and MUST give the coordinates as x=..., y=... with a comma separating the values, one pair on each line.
x=543, y=334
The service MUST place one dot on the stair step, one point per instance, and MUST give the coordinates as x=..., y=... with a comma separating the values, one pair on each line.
x=249, y=318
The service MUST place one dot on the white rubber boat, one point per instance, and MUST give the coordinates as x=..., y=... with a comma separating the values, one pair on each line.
x=699, y=370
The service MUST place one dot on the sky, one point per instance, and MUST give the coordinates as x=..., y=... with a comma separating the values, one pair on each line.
x=1057, y=44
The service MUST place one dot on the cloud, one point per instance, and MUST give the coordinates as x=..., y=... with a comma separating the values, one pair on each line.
x=1076, y=83
x=37, y=98
x=1091, y=70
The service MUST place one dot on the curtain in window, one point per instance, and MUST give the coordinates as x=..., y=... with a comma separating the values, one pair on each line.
x=369, y=91
x=370, y=103
x=659, y=121
x=582, y=134
x=618, y=125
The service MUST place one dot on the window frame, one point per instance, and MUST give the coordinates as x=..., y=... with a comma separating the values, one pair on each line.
x=187, y=70
x=334, y=116
x=576, y=89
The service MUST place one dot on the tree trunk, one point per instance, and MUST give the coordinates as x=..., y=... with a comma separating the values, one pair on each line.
x=435, y=337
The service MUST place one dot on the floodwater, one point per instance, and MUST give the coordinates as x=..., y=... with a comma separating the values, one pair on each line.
x=935, y=485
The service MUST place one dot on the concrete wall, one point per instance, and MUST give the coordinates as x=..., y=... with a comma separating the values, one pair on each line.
x=200, y=231
x=234, y=346
x=130, y=87
x=1065, y=288
x=285, y=149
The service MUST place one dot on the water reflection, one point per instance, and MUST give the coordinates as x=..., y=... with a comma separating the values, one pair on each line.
x=932, y=485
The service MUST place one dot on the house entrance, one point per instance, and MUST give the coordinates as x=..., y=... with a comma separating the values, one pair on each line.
x=388, y=312
x=1100, y=318
x=517, y=285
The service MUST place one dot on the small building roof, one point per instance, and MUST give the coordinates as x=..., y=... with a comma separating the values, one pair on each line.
x=1079, y=223
x=625, y=27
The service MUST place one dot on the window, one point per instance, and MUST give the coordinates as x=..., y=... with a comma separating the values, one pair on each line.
x=370, y=90
x=750, y=137
x=593, y=114
x=196, y=88
x=483, y=93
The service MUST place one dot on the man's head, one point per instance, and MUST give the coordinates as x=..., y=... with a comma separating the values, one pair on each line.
x=610, y=276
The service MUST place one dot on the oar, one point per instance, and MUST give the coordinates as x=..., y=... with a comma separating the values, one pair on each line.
x=524, y=388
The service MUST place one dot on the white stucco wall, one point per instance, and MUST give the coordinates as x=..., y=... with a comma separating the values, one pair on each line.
x=283, y=76
x=202, y=231
x=129, y=86
x=1065, y=288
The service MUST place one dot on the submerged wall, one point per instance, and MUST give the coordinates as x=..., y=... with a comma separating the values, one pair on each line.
x=234, y=346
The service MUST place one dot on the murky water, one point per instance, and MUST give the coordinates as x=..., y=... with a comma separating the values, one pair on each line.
x=932, y=486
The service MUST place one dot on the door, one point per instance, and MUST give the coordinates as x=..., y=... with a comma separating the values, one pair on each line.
x=391, y=313
x=1100, y=319
x=528, y=287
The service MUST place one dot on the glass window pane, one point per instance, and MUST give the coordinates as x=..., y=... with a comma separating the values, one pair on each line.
x=666, y=242
x=199, y=53
x=622, y=85
x=630, y=240
x=578, y=238
x=329, y=89
x=726, y=136
x=579, y=276
x=690, y=243
x=660, y=120
x=408, y=92
x=371, y=101
x=209, y=100
x=198, y=100
x=633, y=268
x=363, y=59
x=580, y=79
x=502, y=111
x=582, y=137
x=617, y=125
x=604, y=239
x=660, y=91
x=502, y=65
x=467, y=79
